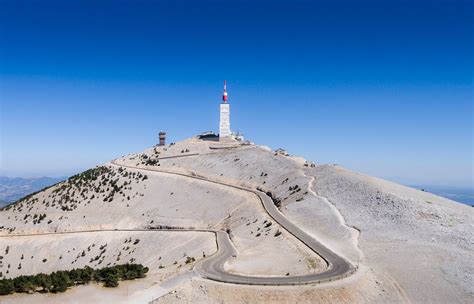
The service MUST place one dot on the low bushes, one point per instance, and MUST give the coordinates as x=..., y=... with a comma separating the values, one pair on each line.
x=59, y=281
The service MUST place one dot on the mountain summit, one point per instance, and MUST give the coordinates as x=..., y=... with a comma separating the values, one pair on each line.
x=242, y=214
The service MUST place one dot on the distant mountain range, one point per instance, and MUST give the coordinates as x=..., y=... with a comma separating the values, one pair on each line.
x=14, y=188
x=461, y=195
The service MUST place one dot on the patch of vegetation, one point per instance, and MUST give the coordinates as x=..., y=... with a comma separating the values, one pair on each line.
x=104, y=183
x=38, y=218
x=276, y=201
x=312, y=263
x=190, y=260
x=89, y=175
x=148, y=161
x=59, y=281
x=294, y=189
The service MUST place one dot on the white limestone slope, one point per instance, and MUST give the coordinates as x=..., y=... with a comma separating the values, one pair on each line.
x=155, y=249
x=421, y=241
x=411, y=246
x=111, y=198
x=157, y=200
x=259, y=167
x=418, y=244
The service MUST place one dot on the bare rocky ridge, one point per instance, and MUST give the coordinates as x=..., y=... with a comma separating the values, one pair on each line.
x=409, y=245
x=430, y=236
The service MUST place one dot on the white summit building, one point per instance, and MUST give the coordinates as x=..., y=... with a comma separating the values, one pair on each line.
x=224, y=126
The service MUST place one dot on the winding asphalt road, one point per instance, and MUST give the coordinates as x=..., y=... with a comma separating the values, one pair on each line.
x=213, y=267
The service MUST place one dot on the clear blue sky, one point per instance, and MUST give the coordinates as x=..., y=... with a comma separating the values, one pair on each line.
x=381, y=87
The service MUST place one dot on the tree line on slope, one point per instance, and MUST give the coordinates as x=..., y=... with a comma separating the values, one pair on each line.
x=59, y=281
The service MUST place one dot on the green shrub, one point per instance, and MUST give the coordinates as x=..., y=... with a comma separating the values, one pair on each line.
x=6, y=287
x=59, y=281
x=190, y=260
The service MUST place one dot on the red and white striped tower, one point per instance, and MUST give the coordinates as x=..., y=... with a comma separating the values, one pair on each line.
x=224, y=96
x=224, y=126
